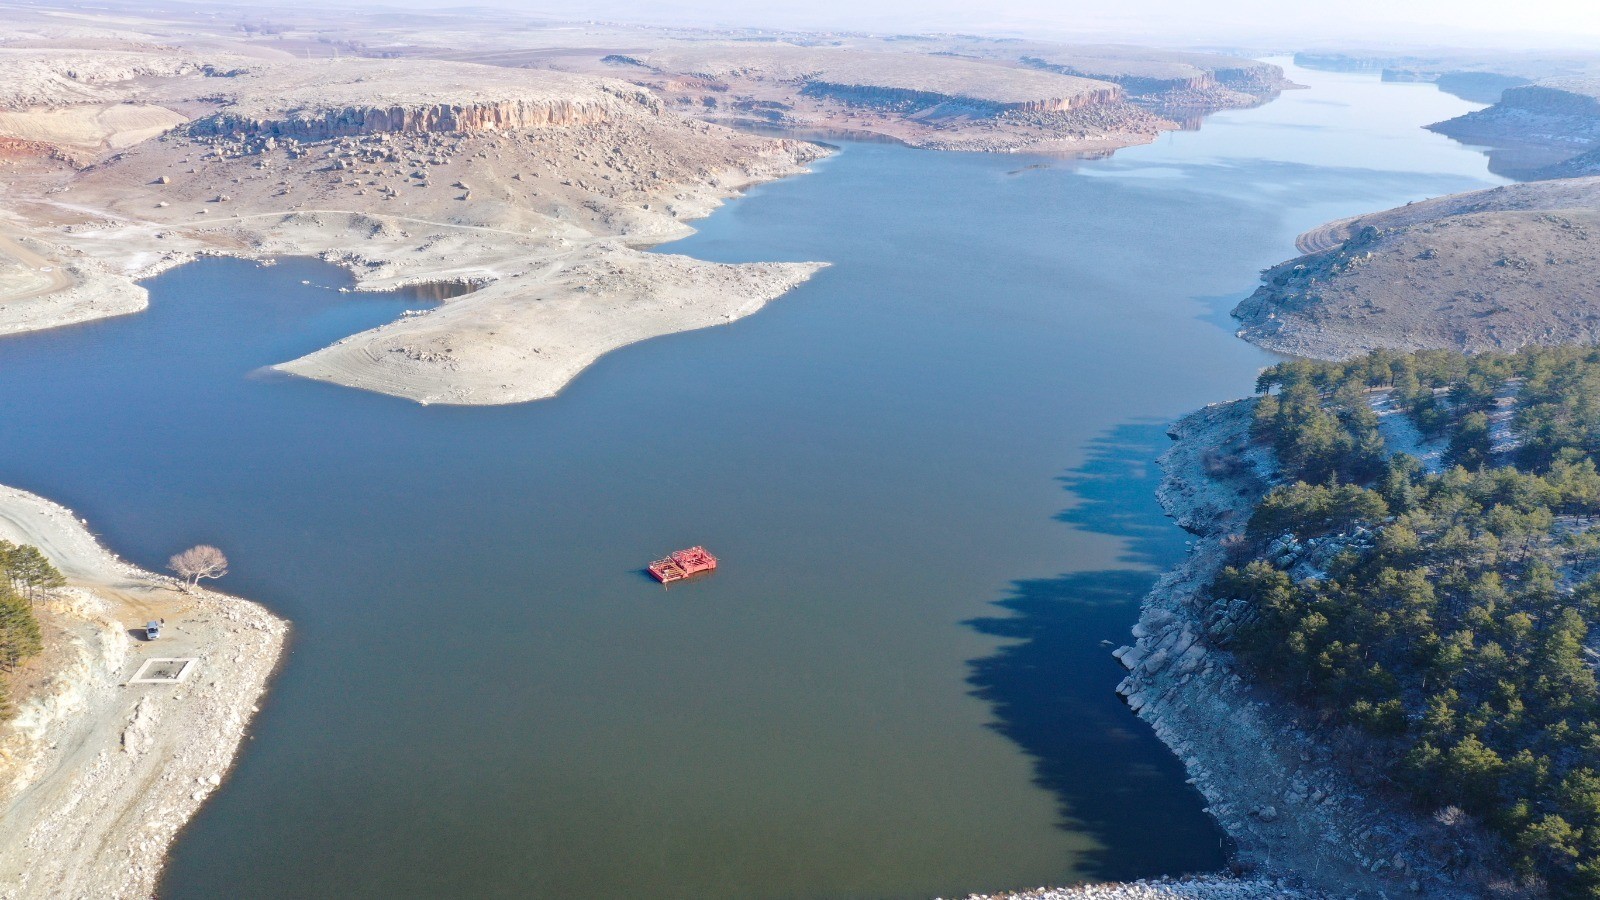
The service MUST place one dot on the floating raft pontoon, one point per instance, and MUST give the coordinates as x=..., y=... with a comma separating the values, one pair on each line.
x=680, y=565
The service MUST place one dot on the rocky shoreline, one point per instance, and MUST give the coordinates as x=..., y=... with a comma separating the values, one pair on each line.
x=1272, y=778
x=1200, y=887
x=97, y=775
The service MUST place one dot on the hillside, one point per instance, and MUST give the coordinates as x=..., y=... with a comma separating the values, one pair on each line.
x=1534, y=127
x=937, y=102
x=945, y=92
x=1488, y=270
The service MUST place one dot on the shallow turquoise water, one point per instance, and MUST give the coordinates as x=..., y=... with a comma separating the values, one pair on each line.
x=927, y=472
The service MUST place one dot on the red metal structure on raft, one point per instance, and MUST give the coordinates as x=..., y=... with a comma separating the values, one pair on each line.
x=680, y=565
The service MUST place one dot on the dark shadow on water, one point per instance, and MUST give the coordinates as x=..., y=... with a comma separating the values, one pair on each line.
x=1053, y=689
x=1114, y=493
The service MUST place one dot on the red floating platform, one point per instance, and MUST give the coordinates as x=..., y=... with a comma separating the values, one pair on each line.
x=680, y=565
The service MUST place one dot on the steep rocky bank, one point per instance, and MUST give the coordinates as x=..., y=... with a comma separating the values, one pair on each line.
x=318, y=100
x=1168, y=81
x=324, y=124
x=1282, y=787
x=886, y=96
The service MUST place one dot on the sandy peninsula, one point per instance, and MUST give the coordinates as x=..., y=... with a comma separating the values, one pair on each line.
x=97, y=774
x=542, y=190
x=537, y=166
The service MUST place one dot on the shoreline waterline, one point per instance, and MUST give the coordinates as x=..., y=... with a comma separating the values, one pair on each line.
x=784, y=728
x=107, y=773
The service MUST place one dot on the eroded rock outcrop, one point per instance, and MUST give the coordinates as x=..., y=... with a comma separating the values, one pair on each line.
x=912, y=100
x=353, y=121
x=1165, y=79
x=353, y=97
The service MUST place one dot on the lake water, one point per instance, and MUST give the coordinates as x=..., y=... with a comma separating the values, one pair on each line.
x=928, y=474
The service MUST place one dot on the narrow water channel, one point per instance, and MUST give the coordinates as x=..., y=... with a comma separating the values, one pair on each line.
x=927, y=472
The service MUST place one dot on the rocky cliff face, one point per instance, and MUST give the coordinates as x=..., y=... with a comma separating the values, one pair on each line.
x=1264, y=79
x=1534, y=126
x=1177, y=85
x=353, y=121
x=1133, y=84
x=348, y=98
x=1479, y=87
x=909, y=100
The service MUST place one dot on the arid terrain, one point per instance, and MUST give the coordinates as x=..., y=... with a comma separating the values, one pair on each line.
x=536, y=168
x=973, y=95
x=97, y=774
x=531, y=166
x=1495, y=269
x=1536, y=130
x=538, y=189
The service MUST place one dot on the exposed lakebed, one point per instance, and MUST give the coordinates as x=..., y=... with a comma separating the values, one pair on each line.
x=927, y=471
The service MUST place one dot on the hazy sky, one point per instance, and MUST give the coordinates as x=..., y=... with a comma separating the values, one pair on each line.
x=1510, y=23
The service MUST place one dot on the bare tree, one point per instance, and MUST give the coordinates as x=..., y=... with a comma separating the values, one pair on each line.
x=195, y=563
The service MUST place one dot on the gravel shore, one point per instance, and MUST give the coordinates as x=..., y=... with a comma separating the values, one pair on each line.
x=97, y=775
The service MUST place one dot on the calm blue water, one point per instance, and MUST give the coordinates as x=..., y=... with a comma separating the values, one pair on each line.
x=928, y=473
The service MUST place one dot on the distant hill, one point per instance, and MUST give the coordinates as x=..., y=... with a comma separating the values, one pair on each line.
x=1534, y=128
x=1488, y=270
